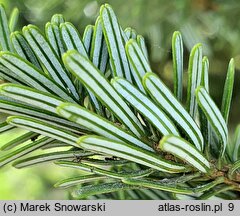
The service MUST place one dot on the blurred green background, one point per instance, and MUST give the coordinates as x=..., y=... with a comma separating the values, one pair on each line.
x=213, y=23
